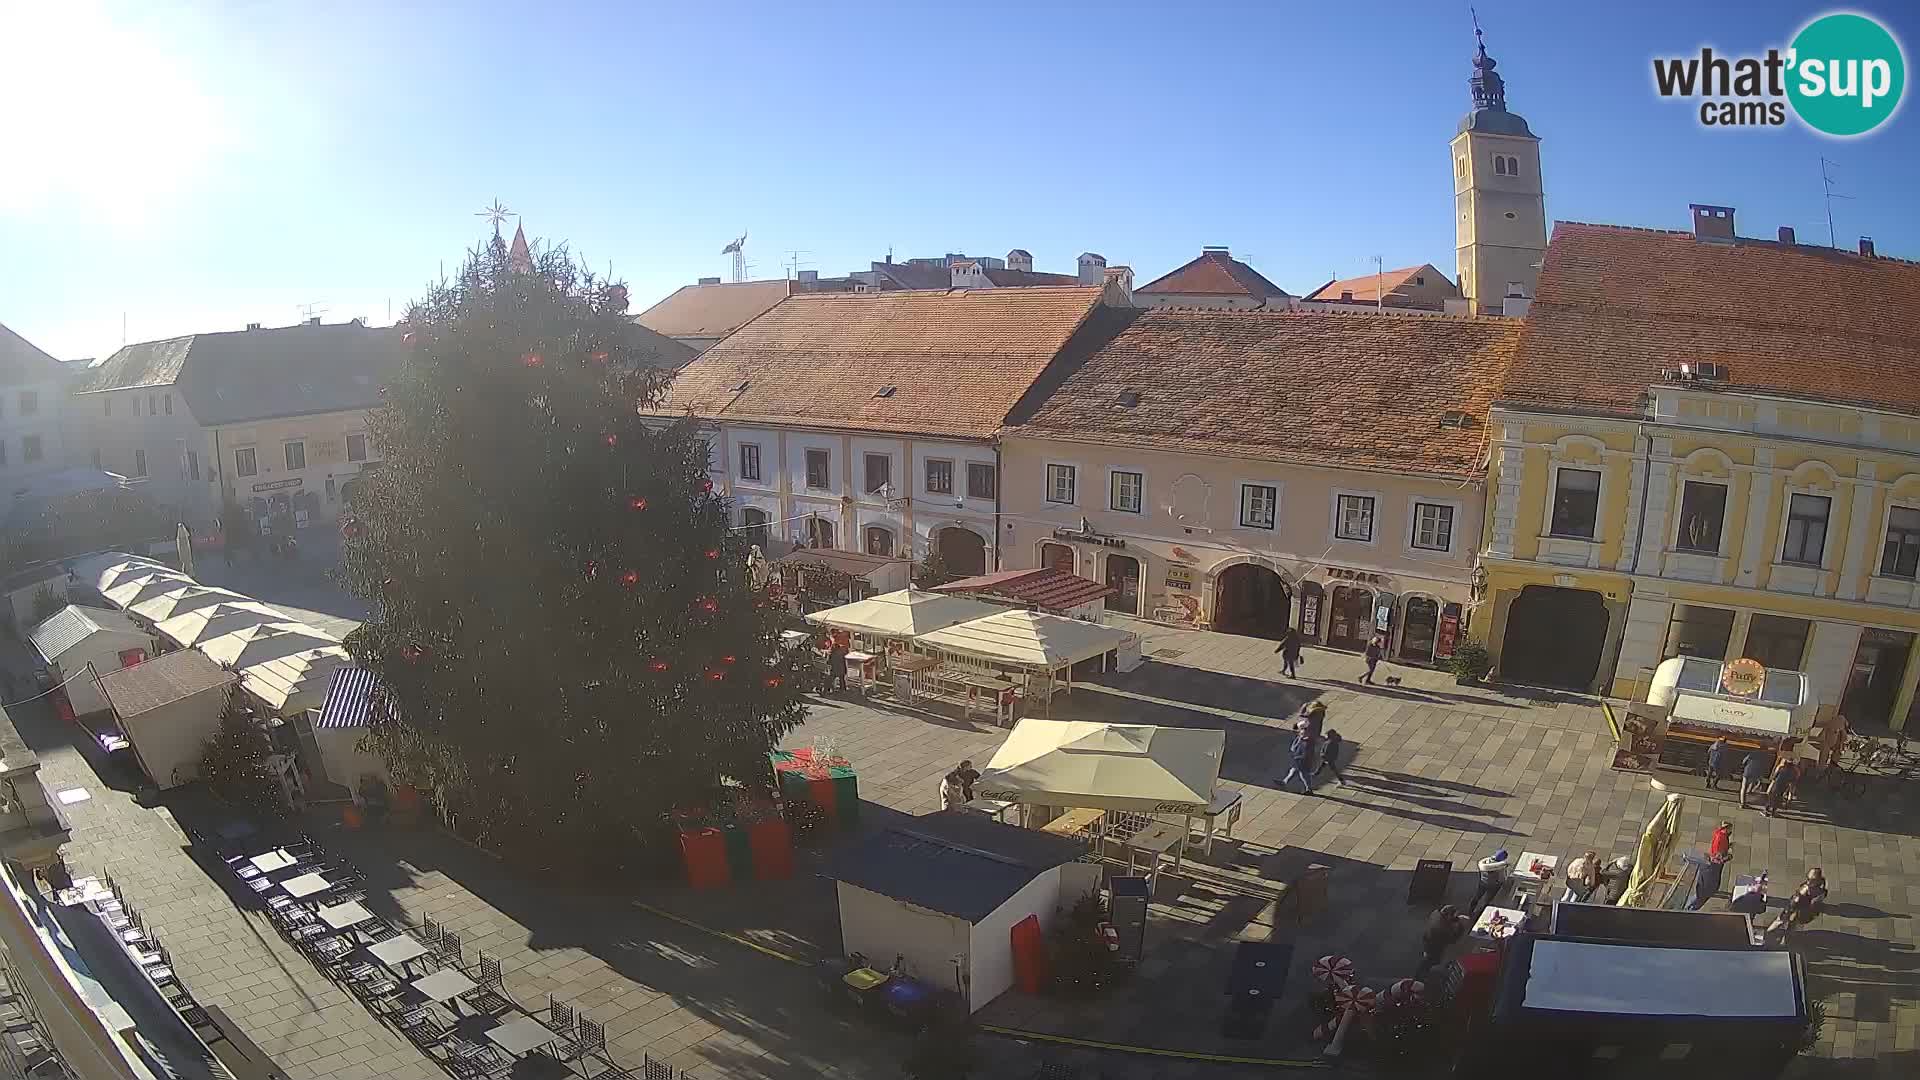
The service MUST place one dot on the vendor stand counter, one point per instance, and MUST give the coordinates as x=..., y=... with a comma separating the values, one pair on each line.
x=1508, y=921
x=1530, y=885
x=863, y=668
x=1221, y=814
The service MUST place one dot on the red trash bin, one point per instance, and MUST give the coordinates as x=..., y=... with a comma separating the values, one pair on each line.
x=1029, y=955
x=705, y=853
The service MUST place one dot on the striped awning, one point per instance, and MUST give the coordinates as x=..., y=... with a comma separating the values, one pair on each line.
x=349, y=701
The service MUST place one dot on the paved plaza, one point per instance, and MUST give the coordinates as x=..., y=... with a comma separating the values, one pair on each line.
x=1440, y=772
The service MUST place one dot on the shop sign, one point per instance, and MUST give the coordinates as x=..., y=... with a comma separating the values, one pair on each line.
x=278, y=485
x=1338, y=573
x=1179, y=577
x=1743, y=677
x=1448, y=638
x=1310, y=595
x=1086, y=534
x=1383, y=612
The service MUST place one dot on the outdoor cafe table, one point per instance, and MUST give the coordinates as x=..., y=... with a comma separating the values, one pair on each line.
x=1514, y=921
x=1155, y=841
x=444, y=985
x=277, y=859
x=518, y=1036
x=397, y=952
x=305, y=885
x=342, y=916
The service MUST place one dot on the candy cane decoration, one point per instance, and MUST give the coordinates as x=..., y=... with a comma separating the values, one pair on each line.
x=1333, y=972
x=1352, y=1001
x=1407, y=991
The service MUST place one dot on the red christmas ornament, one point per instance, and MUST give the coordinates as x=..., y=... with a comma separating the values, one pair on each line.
x=716, y=676
x=774, y=681
x=713, y=553
x=600, y=356
x=592, y=568
x=706, y=486
x=727, y=659
x=709, y=604
x=533, y=359
x=612, y=439
x=411, y=653
x=630, y=578
x=638, y=502
x=659, y=666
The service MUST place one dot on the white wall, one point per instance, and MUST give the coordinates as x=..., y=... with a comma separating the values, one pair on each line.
x=172, y=737
x=344, y=761
x=1045, y=897
x=102, y=649
x=882, y=928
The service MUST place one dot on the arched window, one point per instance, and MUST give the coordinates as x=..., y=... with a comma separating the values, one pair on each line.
x=819, y=532
x=1499, y=164
x=879, y=540
x=756, y=530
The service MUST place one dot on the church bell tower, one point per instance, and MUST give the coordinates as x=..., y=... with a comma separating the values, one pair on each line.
x=1499, y=200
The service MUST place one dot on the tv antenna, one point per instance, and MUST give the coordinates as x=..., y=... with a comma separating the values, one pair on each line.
x=495, y=214
x=1826, y=183
x=794, y=262
x=1379, y=283
x=311, y=310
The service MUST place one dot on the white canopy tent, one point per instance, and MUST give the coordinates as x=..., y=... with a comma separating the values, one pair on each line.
x=131, y=589
x=204, y=624
x=903, y=614
x=261, y=643
x=107, y=569
x=1132, y=767
x=1027, y=639
x=184, y=599
x=295, y=682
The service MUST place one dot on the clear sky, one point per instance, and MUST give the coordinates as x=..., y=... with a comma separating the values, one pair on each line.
x=198, y=167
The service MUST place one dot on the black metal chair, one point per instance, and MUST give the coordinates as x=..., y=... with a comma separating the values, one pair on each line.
x=559, y=1016
x=447, y=950
x=490, y=996
x=589, y=1038
x=430, y=931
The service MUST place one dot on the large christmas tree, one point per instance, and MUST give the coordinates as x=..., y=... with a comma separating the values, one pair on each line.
x=563, y=621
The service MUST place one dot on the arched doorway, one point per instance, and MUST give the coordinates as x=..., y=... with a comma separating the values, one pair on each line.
x=754, y=526
x=1057, y=557
x=963, y=550
x=1420, y=627
x=1349, y=617
x=879, y=540
x=1554, y=637
x=1252, y=599
x=1123, y=573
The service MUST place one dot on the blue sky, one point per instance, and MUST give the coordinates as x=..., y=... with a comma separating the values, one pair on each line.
x=201, y=168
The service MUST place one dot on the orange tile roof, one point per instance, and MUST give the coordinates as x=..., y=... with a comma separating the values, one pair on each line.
x=1360, y=390
x=1214, y=273
x=1366, y=288
x=957, y=360
x=1616, y=306
x=1045, y=587
x=700, y=311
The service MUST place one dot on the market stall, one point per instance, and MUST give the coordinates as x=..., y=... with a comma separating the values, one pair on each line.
x=180, y=601
x=290, y=684
x=1135, y=775
x=823, y=577
x=1030, y=650
x=167, y=708
x=1752, y=706
x=75, y=638
x=135, y=588
x=1044, y=588
x=881, y=628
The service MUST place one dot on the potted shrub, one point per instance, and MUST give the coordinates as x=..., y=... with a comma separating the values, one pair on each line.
x=1470, y=664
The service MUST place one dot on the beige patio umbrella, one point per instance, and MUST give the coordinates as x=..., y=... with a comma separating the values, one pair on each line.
x=201, y=624
x=1656, y=843
x=182, y=600
x=251, y=646
x=132, y=590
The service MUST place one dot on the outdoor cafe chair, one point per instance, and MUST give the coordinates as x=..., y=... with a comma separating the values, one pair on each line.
x=429, y=930
x=589, y=1038
x=490, y=996
x=560, y=1016
x=448, y=948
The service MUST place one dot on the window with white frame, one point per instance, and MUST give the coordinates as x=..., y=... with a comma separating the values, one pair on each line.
x=1703, y=516
x=1353, y=518
x=1806, y=529
x=879, y=472
x=296, y=454
x=1128, y=489
x=819, y=471
x=1576, y=503
x=750, y=461
x=1432, y=526
x=939, y=476
x=1900, y=557
x=356, y=448
x=983, y=482
x=1060, y=483
x=1259, y=504
x=246, y=462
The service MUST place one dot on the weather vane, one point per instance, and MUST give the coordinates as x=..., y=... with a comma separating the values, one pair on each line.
x=495, y=214
x=1478, y=37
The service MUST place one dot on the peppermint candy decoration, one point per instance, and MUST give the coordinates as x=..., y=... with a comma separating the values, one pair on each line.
x=1407, y=990
x=1333, y=971
x=1358, y=998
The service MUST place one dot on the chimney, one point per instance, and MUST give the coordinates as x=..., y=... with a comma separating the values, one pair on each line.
x=1866, y=245
x=253, y=326
x=1712, y=224
x=1346, y=295
x=809, y=276
x=708, y=281
x=1119, y=286
x=313, y=321
x=1216, y=249
x=1786, y=234
x=1093, y=269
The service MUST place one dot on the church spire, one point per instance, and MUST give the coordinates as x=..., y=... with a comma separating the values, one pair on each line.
x=1489, y=90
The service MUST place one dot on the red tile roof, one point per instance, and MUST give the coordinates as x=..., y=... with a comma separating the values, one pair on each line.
x=1214, y=273
x=1046, y=587
x=1617, y=306
x=957, y=360
x=1367, y=288
x=702, y=311
x=1359, y=389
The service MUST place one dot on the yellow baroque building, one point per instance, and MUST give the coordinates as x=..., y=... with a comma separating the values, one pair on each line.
x=1709, y=445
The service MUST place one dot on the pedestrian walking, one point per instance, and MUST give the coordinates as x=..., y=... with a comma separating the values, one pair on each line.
x=1376, y=648
x=1784, y=777
x=969, y=776
x=1706, y=882
x=1289, y=650
x=1808, y=901
x=1720, y=848
x=1716, y=763
x=837, y=667
x=1301, y=757
x=1330, y=757
x=1753, y=772
x=1447, y=926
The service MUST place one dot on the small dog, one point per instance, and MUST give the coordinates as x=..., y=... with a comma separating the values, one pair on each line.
x=1393, y=680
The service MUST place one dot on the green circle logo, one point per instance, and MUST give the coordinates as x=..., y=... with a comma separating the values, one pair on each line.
x=1846, y=74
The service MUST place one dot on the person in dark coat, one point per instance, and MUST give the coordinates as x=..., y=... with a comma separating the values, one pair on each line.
x=1289, y=650
x=1330, y=757
x=837, y=668
x=1446, y=927
x=1753, y=773
x=1376, y=648
x=1300, y=756
x=1716, y=763
x=1784, y=777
